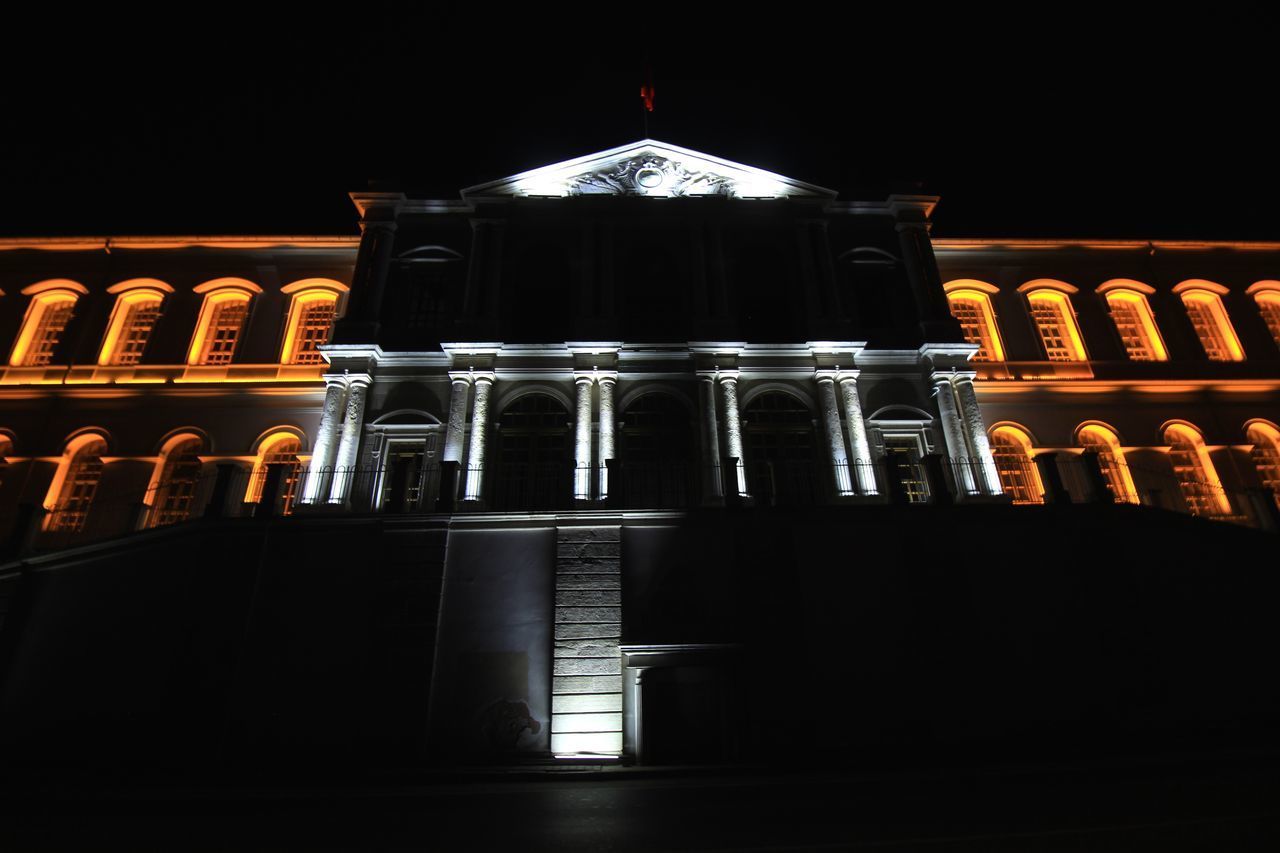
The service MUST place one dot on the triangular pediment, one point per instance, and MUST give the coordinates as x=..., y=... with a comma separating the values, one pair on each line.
x=649, y=168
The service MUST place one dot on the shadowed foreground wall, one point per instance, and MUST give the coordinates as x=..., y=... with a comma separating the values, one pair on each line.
x=872, y=630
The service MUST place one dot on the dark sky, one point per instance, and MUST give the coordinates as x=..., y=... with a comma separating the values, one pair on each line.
x=1089, y=125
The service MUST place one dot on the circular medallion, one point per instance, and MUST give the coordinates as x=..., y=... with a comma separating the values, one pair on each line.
x=649, y=178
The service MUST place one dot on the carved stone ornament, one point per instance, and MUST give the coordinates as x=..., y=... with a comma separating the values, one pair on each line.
x=650, y=175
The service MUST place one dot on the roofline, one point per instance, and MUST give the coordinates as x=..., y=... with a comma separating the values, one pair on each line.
x=483, y=190
x=219, y=241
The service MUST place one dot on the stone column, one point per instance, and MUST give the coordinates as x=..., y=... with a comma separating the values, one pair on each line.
x=320, y=470
x=709, y=435
x=976, y=431
x=953, y=432
x=479, y=429
x=349, y=444
x=607, y=423
x=455, y=430
x=912, y=226
x=733, y=426
x=863, y=470
x=368, y=282
x=582, y=438
x=832, y=432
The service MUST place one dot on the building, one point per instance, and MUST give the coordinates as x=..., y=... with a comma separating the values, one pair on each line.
x=522, y=470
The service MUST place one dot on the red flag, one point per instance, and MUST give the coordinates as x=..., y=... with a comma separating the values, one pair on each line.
x=646, y=90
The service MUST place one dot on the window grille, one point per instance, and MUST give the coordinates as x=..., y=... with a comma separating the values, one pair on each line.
x=78, y=489
x=224, y=331
x=976, y=325
x=135, y=329
x=315, y=321
x=50, y=325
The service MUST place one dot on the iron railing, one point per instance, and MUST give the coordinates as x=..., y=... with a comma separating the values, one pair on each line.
x=232, y=491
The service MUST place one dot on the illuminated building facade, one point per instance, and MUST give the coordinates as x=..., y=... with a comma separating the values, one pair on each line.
x=518, y=410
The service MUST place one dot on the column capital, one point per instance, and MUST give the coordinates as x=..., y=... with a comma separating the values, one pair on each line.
x=581, y=376
x=964, y=375
x=364, y=379
x=826, y=375
x=335, y=380
x=843, y=376
x=461, y=376
x=488, y=377
x=610, y=376
x=378, y=224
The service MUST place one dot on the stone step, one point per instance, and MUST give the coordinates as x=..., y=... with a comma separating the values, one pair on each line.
x=588, y=597
x=583, y=703
x=611, y=722
x=605, y=743
x=586, y=684
x=588, y=630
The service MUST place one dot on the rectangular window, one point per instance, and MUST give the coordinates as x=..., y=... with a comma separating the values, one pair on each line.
x=974, y=325
x=1053, y=330
x=1133, y=333
x=1270, y=308
x=135, y=330
x=224, y=331
x=53, y=321
x=314, y=323
x=1208, y=331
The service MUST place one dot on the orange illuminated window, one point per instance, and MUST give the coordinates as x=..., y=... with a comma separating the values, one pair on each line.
x=75, y=484
x=1209, y=319
x=1265, y=439
x=134, y=318
x=281, y=449
x=1011, y=449
x=1269, y=306
x=1197, y=478
x=173, y=488
x=311, y=316
x=218, y=329
x=46, y=320
x=1111, y=460
x=1136, y=325
x=973, y=309
x=1056, y=323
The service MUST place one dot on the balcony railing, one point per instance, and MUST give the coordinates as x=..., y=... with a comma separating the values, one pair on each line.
x=230, y=491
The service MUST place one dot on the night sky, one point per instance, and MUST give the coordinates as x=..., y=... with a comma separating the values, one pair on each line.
x=1084, y=127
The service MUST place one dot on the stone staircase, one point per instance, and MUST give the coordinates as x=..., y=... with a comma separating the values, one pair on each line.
x=586, y=701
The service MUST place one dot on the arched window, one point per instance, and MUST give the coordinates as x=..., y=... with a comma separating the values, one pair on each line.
x=1055, y=320
x=282, y=449
x=1134, y=319
x=1267, y=295
x=137, y=309
x=52, y=304
x=1203, y=301
x=970, y=302
x=222, y=316
x=1265, y=439
x=779, y=448
x=75, y=483
x=535, y=455
x=173, y=485
x=1115, y=469
x=1197, y=478
x=312, y=310
x=657, y=452
x=1011, y=448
